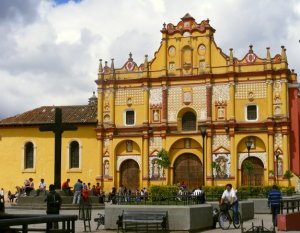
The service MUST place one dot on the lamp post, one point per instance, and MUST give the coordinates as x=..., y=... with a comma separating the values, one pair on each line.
x=277, y=153
x=203, y=134
x=248, y=143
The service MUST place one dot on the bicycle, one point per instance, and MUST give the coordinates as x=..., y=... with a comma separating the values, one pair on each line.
x=226, y=217
x=100, y=220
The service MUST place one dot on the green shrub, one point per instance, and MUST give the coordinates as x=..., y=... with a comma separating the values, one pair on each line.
x=163, y=190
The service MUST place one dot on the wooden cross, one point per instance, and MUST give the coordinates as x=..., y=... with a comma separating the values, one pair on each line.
x=57, y=128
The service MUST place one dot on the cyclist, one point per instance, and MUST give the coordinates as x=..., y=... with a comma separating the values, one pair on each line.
x=229, y=196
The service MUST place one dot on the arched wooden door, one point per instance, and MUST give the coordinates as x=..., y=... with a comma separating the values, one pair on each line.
x=188, y=168
x=130, y=174
x=255, y=176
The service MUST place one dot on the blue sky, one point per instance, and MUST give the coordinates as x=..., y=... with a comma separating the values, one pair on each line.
x=65, y=1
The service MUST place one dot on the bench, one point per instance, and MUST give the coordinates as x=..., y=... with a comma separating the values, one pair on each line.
x=149, y=221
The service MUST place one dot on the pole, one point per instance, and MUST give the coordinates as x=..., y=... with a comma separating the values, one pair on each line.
x=203, y=151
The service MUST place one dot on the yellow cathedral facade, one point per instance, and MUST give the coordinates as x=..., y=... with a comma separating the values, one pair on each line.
x=212, y=113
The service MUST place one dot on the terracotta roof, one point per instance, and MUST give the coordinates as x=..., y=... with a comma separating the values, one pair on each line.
x=45, y=115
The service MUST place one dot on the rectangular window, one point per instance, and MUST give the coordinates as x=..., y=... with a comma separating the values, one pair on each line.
x=130, y=117
x=251, y=112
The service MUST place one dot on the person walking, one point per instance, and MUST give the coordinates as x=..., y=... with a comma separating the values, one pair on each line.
x=229, y=196
x=54, y=201
x=274, y=201
x=77, y=191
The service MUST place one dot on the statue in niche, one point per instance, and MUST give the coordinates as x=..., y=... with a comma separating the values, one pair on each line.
x=221, y=113
x=187, y=143
x=221, y=167
x=129, y=146
x=155, y=115
x=106, y=168
x=280, y=167
x=187, y=97
x=155, y=169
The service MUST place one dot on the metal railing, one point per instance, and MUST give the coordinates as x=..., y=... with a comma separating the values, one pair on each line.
x=290, y=205
x=22, y=222
x=185, y=199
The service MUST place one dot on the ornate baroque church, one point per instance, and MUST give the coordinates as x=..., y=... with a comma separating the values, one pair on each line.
x=213, y=113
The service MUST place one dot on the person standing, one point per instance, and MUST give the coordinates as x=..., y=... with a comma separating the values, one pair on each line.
x=54, y=201
x=274, y=201
x=77, y=191
x=229, y=196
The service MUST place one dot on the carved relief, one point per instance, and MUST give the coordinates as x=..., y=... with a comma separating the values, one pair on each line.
x=222, y=166
x=261, y=155
x=243, y=90
x=156, y=96
x=121, y=159
x=136, y=96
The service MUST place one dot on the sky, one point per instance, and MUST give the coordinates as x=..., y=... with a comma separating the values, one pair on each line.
x=50, y=49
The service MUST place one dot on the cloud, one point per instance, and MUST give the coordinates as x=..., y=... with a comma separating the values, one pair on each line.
x=50, y=51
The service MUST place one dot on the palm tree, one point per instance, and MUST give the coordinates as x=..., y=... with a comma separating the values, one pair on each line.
x=164, y=161
x=288, y=175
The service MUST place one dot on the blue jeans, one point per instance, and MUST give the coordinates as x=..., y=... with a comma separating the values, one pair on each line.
x=235, y=208
x=275, y=210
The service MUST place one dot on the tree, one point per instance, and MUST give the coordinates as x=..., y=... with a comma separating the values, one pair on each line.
x=288, y=175
x=164, y=161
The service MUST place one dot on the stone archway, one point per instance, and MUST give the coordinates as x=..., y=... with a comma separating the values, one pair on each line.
x=130, y=175
x=256, y=177
x=188, y=168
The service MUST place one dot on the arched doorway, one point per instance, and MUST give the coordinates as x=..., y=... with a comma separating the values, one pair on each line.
x=188, y=168
x=130, y=174
x=255, y=176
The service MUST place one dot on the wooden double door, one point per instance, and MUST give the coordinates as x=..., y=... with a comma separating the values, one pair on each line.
x=188, y=169
x=130, y=175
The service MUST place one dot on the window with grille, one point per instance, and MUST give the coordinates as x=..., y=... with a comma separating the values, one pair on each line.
x=74, y=154
x=189, y=121
x=251, y=112
x=28, y=163
x=129, y=117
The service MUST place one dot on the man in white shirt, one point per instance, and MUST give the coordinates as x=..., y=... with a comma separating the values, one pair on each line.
x=199, y=194
x=42, y=187
x=229, y=196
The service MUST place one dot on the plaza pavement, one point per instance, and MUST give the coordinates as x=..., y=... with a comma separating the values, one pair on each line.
x=80, y=227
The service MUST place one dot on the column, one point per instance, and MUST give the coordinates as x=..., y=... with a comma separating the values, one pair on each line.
x=112, y=105
x=100, y=166
x=234, y=159
x=208, y=55
x=146, y=105
x=112, y=162
x=100, y=106
x=145, y=160
x=209, y=101
x=208, y=152
x=270, y=153
x=285, y=150
x=231, y=103
x=164, y=103
x=270, y=97
x=284, y=97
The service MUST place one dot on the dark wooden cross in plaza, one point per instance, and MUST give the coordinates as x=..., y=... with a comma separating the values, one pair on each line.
x=58, y=128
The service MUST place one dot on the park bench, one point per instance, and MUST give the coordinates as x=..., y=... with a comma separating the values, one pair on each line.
x=33, y=222
x=149, y=221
